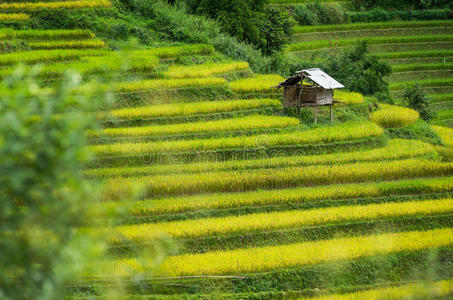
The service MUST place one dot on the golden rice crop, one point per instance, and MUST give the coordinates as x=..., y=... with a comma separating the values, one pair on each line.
x=126, y=87
x=279, y=220
x=244, y=123
x=270, y=258
x=42, y=35
x=445, y=133
x=237, y=181
x=343, y=132
x=259, y=83
x=46, y=56
x=396, y=149
x=176, y=51
x=204, y=70
x=424, y=290
x=283, y=196
x=93, y=65
x=191, y=108
x=391, y=116
x=348, y=97
x=14, y=17
x=32, y=6
x=81, y=44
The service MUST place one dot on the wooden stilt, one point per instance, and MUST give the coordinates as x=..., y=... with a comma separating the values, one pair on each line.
x=316, y=114
x=331, y=115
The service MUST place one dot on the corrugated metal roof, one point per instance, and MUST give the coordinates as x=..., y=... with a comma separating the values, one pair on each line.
x=321, y=78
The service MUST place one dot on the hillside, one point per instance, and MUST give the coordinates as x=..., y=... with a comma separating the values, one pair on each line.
x=259, y=203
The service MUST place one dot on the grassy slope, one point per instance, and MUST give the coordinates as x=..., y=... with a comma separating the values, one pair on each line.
x=260, y=208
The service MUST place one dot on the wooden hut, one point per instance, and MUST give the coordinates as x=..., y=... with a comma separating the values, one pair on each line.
x=317, y=91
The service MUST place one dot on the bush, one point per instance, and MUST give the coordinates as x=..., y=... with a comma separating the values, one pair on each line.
x=248, y=20
x=378, y=14
x=43, y=195
x=304, y=16
x=405, y=4
x=328, y=13
x=415, y=98
x=356, y=68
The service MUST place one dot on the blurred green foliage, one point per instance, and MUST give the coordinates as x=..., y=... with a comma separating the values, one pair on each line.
x=43, y=195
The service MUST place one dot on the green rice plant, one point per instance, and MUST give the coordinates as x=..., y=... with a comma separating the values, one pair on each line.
x=261, y=259
x=394, y=86
x=445, y=133
x=373, y=25
x=80, y=44
x=421, y=67
x=372, y=41
x=204, y=70
x=245, y=123
x=396, y=149
x=34, y=6
x=291, y=196
x=46, y=56
x=259, y=83
x=136, y=86
x=238, y=181
x=444, y=114
x=46, y=35
x=277, y=220
x=436, y=98
x=348, y=97
x=189, y=109
x=343, y=132
x=391, y=116
x=424, y=290
x=177, y=51
x=14, y=17
x=420, y=53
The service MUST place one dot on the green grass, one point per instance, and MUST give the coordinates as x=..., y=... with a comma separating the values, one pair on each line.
x=372, y=41
x=409, y=54
x=424, y=83
x=421, y=67
x=372, y=25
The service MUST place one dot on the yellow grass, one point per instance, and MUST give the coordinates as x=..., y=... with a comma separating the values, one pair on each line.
x=235, y=124
x=259, y=83
x=391, y=116
x=271, y=258
x=204, y=70
x=279, y=220
x=425, y=290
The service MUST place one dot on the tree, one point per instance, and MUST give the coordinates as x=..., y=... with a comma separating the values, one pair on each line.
x=248, y=20
x=358, y=70
x=415, y=97
x=43, y=195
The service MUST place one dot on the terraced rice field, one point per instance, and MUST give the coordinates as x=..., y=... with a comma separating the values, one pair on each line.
x=418, y=51
x=257, y=203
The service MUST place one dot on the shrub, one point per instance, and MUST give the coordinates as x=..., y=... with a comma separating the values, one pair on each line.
x=43, y=195
x=328, y=13
x=304, y=16
x=415, y=97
